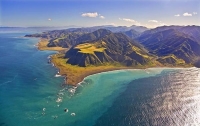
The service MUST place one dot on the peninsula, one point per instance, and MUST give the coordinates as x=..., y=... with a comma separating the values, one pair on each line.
x=86, y=51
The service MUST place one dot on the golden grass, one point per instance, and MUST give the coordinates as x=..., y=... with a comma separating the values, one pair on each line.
x=42, y=45
x=88, y=48
x=136, y=49
x=179, y=61
x=75, y=74
x=139, y=52
x=103, y=43
x=57, y=40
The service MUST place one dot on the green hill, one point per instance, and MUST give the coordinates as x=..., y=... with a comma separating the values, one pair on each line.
x=111, y=47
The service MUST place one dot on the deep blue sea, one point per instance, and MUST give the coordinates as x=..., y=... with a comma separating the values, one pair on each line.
x=31, y=94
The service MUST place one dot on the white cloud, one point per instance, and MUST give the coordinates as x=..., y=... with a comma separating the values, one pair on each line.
x=108, y=23
x=177, y=15
x=130, y=20
x=126, y=19
x=194, y=13
x=102, y=17
x=112, y=24
x=161, y=24
x=153, y=21
x=95, y=14
x=49, y=19
x=187, y=14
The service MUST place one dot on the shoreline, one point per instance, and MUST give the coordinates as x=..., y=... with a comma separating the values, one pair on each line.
x=72, y=79
x=42, y=46
x=73, y=75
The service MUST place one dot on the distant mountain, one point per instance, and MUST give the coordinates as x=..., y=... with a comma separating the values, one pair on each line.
x=180, y=41
x=193, y=31
x=70, y=37
x=138, y=29
x=98, y=34
x=161, y=28
x=132, y=33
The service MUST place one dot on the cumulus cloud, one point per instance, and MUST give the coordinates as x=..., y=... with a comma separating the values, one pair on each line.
x=49, y=19
x=110, y=23
x=93, y=15
x=153, y=21
x=102, y=17
x=126, y=19
x=177, y=15
x=130, y=20
x=187, y=14
x=194, y=13
x=161, y=24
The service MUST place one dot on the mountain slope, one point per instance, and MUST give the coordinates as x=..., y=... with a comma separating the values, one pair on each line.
x=193, y=31
x=171, y=41
x=111, y=48
x=131, y=33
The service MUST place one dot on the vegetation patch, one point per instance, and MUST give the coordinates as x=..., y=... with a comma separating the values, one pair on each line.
x=58, y=39
x=42, y=45
x=171, y=59
x=139, y=52
x=89, y=48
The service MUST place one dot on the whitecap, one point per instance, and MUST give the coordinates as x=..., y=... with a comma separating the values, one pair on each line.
x=59, y=100
x=71, y=90
x=57, y=75
x=73, y=114
x=60, y=93
x=49, y=57
x=80, y=84
x=53, y=65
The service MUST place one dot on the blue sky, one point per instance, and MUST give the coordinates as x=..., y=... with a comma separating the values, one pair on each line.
x=149, y=13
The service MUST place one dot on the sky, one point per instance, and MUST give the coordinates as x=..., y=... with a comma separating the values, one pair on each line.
x=84, y=13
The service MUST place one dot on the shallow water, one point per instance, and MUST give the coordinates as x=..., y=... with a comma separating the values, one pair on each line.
x=31, y=94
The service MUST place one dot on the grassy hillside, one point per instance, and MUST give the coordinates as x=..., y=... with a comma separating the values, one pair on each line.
x=107, y=48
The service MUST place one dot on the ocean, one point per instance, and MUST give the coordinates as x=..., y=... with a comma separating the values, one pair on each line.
x=32, y=94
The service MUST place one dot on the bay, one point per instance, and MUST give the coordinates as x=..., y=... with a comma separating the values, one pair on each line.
x=30, y=94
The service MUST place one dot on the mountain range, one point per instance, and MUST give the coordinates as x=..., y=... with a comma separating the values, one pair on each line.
x=183, y=42
x=128, y=46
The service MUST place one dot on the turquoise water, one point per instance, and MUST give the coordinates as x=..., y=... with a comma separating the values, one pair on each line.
x=30, y=94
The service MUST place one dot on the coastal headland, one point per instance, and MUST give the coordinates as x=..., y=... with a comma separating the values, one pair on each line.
x=74, y=74
x=86, y=51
